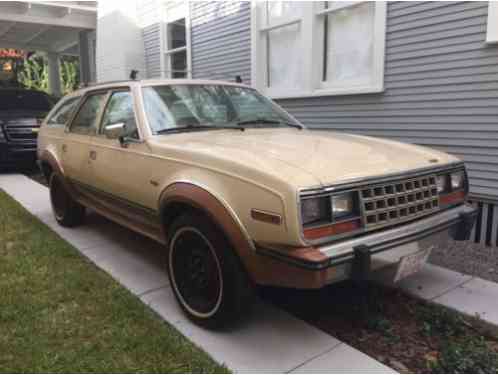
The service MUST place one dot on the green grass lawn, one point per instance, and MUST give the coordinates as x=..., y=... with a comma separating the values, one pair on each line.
x=60, y=313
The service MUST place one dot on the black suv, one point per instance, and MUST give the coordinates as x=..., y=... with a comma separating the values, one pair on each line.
x=21, y=113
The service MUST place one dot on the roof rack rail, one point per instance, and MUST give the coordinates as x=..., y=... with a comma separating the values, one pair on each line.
x=91, y=84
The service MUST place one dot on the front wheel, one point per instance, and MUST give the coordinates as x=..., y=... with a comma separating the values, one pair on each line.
x=67, y=211
x=207, y=277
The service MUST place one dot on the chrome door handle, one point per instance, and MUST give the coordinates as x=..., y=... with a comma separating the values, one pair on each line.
x=93, y=155
x=64, y=148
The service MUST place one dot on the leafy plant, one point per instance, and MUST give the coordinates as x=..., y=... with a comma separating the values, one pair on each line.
x=438, y=320
x=469, y=355
x=33, y=73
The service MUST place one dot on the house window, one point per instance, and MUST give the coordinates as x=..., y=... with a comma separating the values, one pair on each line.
x=318, y=48
x=492, y=32
x=175, y=40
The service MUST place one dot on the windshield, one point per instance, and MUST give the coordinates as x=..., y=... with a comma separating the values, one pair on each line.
x=175, y=107
x=17, y=100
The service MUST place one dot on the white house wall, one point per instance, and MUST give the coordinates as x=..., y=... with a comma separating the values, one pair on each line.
x=120, y=47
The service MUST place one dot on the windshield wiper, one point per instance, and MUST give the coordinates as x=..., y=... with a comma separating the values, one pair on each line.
x=187, y=128
x=269, y=121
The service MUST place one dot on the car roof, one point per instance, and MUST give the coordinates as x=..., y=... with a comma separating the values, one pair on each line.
x=21, y=89
x=155, y=82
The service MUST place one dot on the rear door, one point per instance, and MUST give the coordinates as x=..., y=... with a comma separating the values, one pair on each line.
x=75, y=148
x=52, y=132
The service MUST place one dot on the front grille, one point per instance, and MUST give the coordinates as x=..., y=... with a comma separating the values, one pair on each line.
x=398, y=201
x=21, y=130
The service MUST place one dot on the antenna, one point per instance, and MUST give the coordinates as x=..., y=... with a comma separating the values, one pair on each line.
x=133, y=74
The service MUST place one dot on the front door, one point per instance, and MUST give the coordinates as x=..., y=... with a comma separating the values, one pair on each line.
x=121, y=171
x=76, y=158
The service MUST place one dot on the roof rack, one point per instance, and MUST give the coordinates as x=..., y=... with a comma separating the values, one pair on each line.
x=91, y=84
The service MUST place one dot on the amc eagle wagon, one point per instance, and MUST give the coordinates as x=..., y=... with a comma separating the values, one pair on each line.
x=242, y=194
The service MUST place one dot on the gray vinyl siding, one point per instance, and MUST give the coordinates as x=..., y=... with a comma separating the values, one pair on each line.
x=152, y=49
x=148, y=14
x=441, y=88
x=441, y=80
x=221, y=40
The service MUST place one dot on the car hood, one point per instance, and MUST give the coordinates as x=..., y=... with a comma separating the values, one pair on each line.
x=306, y=157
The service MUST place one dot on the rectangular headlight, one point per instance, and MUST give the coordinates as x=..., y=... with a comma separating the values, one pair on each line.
x=343, y=205
x=442, y=183
x=457, y=180
x=315, y=210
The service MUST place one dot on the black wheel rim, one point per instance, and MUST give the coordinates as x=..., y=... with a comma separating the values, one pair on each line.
x=59, y=198
x=196, y=272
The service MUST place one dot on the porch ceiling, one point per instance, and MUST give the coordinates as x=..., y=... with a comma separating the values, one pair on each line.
x=44, y=26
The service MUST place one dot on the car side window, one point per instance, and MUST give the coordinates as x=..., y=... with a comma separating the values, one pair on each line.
x=119, y=109
x=85, y=121
x=63, y=113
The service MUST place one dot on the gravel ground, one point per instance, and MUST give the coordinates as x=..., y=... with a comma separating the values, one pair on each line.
x=469, y=258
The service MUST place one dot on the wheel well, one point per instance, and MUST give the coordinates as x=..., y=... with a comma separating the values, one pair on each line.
x=46, y=170
x=174, y=209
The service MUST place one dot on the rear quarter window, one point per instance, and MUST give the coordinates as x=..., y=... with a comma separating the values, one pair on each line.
x=63, y=112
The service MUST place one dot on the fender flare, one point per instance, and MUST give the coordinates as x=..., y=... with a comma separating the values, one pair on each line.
x=49, y=158
x=199, y=197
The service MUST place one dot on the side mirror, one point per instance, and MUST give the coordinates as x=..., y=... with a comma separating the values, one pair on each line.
x=115, y=131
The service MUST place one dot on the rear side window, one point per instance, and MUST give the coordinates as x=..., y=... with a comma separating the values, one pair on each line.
x=85, y=121
x=63, y=112
x=22, y=100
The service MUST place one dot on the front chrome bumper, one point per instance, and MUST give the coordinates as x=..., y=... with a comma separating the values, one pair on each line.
x=358, y=257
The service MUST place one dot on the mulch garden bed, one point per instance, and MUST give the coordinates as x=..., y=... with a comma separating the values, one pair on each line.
x=403, y=332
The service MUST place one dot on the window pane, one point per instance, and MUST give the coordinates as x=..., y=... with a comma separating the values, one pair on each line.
x=280, y=11
x=349, y=53
x=85, y=121
x=62, y=114
x=178, y=64
x=284, y=57
x=177, y=34
x=120, y=110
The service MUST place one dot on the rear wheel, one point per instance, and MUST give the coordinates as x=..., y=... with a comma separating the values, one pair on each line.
x=207, y=278
x=67, y=211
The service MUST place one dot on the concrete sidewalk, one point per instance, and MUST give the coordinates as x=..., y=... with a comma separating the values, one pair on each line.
x=467, y=294
x=271, y=341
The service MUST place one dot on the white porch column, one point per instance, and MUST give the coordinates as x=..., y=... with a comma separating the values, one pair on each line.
x=54, y=77
x=83, y=47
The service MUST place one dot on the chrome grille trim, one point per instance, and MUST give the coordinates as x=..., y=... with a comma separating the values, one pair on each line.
x=21, y=129
x=397, y=201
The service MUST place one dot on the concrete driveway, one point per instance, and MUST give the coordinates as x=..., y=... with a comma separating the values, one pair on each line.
x=271, y=340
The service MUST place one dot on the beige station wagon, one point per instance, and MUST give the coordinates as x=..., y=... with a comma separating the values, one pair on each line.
x=242, y=194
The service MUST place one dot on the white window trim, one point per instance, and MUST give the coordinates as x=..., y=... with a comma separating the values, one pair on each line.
x=492, y=29
x=163, y=41
x=311, y=30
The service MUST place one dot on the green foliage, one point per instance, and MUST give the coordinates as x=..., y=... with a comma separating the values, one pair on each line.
x=438, y=320
x=70, y=74
x=468, y=355
x=33, y=73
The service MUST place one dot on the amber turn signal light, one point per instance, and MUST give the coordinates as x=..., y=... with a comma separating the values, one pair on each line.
x=332, y=229
x=452, y=198
x=266, y=217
